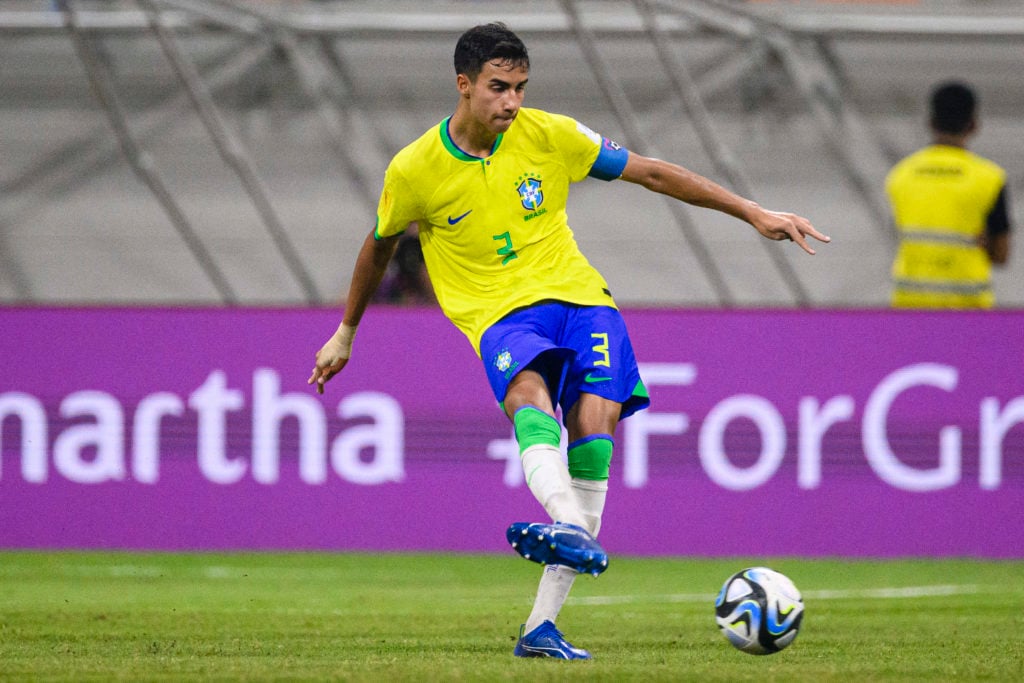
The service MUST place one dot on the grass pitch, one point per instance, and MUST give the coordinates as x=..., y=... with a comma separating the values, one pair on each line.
x=418, y=617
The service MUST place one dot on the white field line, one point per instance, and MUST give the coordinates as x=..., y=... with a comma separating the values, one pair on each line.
x=883, y=593
x=208, y=572
x=860, y=594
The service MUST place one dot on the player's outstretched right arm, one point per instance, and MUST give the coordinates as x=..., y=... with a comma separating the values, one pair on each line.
x=369, y=270
x=685, y=185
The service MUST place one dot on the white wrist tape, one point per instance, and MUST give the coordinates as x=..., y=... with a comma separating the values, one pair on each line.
x=345, y=335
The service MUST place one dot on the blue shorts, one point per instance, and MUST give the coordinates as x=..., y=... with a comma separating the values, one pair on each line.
x=577, y=349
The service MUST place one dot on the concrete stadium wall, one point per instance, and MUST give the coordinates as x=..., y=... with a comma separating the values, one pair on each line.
x=77, y=226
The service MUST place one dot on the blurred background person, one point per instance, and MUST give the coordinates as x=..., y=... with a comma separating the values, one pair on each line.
x=406, y=281
x=950, y=209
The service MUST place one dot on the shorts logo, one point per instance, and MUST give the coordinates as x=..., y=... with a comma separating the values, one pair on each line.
x=504, y=363
x=591, y=378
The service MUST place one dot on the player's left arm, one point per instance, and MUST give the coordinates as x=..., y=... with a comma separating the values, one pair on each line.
x=371, y=263
x=685, y=185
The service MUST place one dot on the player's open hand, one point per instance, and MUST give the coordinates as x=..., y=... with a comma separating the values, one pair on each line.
x=778, y=226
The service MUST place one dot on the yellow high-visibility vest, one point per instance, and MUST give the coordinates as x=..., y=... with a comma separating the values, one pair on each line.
x=940, y=198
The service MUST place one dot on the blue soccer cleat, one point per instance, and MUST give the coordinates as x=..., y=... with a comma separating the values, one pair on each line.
x=547, y=641
x=559, y=543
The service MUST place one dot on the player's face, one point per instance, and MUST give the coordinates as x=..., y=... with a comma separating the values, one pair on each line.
x=497, y=94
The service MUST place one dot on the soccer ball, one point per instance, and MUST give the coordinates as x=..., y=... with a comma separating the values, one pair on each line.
x=759, y=611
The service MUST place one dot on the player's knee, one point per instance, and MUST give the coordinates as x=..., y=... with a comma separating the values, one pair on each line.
x=591, y=457
x=535, y=427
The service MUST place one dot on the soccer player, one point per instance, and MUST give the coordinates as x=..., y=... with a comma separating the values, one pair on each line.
x=950, y=208
x=488, y=187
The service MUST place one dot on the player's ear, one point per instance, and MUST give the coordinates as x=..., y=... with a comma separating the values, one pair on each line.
x=463, y=83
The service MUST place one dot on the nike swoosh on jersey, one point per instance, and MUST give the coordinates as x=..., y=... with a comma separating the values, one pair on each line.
x=453, y=221
x=590, y=378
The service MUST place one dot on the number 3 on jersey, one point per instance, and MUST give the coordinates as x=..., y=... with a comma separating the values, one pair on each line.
x=506, y=249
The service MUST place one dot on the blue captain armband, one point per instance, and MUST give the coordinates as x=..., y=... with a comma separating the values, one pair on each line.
x=610, y=161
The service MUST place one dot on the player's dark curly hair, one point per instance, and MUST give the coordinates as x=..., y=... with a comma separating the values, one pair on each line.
x=487, y=42
x=953, y=106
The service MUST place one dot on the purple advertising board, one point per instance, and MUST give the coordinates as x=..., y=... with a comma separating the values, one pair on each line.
x=805, y=433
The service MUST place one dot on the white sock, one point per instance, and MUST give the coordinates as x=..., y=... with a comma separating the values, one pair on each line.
x=590, y=497
x=556, y=581
x=547, y=475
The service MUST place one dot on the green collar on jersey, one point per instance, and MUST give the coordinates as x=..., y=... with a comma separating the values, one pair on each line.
x=454, y=150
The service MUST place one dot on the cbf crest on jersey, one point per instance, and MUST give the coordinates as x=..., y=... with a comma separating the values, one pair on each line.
x=530, y=193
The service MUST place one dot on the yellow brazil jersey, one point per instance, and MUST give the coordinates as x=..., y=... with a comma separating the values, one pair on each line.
x=494, y=230
x=941, y=197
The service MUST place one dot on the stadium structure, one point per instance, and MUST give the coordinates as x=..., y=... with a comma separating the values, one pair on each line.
x=227, y=152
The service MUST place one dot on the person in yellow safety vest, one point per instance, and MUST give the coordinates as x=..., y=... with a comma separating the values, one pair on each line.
x=950, y=207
